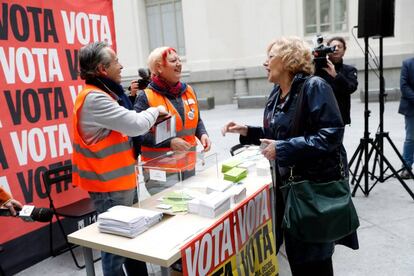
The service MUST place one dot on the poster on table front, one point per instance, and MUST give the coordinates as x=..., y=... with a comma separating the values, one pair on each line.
x=241, y=243
x=39, y=43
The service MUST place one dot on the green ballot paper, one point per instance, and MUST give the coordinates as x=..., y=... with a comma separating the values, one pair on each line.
x=228, y=165
x=235, y=174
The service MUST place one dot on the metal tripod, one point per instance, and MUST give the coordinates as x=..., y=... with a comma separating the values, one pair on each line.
x=364, y=152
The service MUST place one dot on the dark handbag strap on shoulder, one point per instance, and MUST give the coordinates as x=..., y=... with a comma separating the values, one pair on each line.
x=298, y=123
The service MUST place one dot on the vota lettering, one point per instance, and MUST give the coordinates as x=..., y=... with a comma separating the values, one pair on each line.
x=226, y=270
x=80, y=25
x=31, y=181
x=256, y=250
x=251, y=215
x=215, y=246
x=39, y=143
x=32, y=104
x=17, y=14
x=25, y=63
x=3, y=159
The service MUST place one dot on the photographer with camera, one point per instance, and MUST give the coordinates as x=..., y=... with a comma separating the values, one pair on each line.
x=140, y=84
x=342, y=77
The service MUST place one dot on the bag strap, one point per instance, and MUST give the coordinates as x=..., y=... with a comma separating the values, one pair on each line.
x=297, y=127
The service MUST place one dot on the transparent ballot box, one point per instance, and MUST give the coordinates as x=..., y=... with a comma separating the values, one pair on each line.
x=173, y=177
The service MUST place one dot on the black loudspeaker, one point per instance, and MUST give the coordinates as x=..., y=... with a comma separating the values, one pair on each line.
x=376, y=18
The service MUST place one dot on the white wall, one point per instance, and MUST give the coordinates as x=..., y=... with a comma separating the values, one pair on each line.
x=223, y=35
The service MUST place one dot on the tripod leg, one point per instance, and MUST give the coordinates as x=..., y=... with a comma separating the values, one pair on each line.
x=358, y=152
x=364, y=167
x=395, y=173
x=358, y=149
x=374, y=166
x=399, y=156
x=365, y=170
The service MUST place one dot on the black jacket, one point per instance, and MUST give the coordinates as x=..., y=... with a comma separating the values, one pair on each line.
x=314, y=153
x=344, y=84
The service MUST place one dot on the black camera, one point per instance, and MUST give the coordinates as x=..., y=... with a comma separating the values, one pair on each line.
x=320, y=53
x=145, y=78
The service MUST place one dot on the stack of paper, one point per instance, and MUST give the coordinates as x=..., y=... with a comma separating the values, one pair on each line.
x=263, y=168
x=178, y=200
x=228, y=165
x=237, y=193
x=235, y=174
x=193, y=206
x=218, y=186
x=127, y=221
x=213, y=204
x=248, y=165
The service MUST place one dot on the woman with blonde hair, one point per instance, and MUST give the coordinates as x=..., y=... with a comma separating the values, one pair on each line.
x=180, y=100
x=308, y=148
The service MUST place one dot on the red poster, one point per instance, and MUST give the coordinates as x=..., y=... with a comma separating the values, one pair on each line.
x=210, y=249
x=251, y=214
x=240, y=243
x=39, y=42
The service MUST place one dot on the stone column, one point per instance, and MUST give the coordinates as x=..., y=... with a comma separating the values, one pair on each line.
x=240, y=86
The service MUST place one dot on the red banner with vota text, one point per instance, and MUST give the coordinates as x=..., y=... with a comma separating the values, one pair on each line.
x=39, y=44
x=240, y=243
x=212, y=250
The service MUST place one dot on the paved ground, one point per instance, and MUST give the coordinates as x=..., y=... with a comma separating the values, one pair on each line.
x=387, y=215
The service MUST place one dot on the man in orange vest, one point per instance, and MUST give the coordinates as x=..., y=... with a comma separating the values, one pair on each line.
x=180, y=101
x=103, y=159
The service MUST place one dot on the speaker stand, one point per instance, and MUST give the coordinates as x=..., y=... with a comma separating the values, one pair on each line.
x=377, y=145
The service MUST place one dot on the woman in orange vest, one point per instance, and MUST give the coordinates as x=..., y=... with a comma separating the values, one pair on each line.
x=180, y=101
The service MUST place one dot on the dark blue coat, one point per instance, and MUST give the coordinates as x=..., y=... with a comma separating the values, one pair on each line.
x=315, y=151
x=407, y=88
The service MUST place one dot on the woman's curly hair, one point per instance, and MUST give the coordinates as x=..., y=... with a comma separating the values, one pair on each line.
x=294, y=52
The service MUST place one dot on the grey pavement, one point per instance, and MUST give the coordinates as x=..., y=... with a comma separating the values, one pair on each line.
x=386, y=234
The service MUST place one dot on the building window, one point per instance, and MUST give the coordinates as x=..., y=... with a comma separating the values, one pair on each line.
x=165, y=24
x=322, y=16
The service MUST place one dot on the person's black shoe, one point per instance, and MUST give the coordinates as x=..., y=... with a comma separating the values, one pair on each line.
x=405, y=174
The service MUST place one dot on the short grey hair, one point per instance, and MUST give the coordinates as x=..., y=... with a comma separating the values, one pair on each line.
x=91, y=56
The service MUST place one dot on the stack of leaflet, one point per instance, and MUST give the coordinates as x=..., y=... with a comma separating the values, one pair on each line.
x=235, y=174
x=237, y=193
x=177, y=200
x=213, y=204
x=218, y=186
x=230, y=164
x=127, y=221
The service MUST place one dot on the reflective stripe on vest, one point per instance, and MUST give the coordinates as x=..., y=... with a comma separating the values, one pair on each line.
x=104, y=152
x=185, y=130
x=105, y=166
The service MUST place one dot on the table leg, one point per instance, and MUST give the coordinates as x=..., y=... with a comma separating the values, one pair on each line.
x=88, y=256
x=165, y=271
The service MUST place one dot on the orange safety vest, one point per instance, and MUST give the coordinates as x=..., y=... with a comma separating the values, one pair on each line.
x=4, y=196
x=184, y=129
x=105, y=166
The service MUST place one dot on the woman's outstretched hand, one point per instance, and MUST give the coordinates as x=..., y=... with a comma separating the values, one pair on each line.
x=232, y=127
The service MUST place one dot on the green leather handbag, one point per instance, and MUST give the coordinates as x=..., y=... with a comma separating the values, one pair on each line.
x=319, y=212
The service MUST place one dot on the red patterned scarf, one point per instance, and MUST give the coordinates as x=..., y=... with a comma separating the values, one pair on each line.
x=164, y=86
